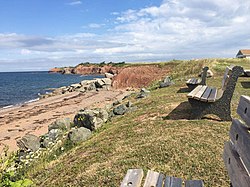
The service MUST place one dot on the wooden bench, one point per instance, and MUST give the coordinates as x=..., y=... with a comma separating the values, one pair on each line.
x=246, y=72
x=209, y=100
x=193, y=82
x=236, y=154
x=134, y=177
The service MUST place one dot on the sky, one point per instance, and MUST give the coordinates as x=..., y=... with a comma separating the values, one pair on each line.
x=40, y=34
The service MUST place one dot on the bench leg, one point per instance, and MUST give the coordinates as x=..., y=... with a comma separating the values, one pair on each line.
x=218, y=108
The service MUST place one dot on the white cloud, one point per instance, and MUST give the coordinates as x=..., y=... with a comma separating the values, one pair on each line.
x=75, y=3
x=174, y=30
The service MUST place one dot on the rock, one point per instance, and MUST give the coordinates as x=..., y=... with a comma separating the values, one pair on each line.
x=79, y=134
x=99, y=83
x=143, y=93
x=209, y=73
x=82, y=89
x=120, y=110
x=29, y=142
x=109, y=75
x=62, y=124
x=107, y=81
x=117, y=102
x=166, y=82
x=91, y=86
x=51, y=137
x=144, y=90
x=129, y=104
x=91, y=119
x=75, y=86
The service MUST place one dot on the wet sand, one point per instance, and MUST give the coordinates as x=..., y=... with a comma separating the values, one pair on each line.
x=34, y=118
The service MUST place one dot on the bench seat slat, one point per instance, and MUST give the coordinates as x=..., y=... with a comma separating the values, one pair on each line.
x=153, y=179
x=236, y=171
x=200, y=93
x=194, y=183
x=172, y=182
x=244, y=109
x=240, y=137
x=206, y=94
x=194, y=91
x=133, y=178
x=212, y=96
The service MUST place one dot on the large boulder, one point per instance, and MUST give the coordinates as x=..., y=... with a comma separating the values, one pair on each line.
x=79, y=134
x=29, y=142
x=62, y=124
x=91, y=119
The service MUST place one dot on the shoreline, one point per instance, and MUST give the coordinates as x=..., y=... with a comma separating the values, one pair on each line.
x=34, y=117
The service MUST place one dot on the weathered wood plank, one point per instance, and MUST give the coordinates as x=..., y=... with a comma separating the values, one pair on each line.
x=194, y=183
x=153, y=179
x=200, y=93
x=226, y=77
x=194, y=91
x=239, y=135
x=172, y=182
x=133, y=178
x=236, y=170
x=244, y=109
x=206, y=94
x=212, y=96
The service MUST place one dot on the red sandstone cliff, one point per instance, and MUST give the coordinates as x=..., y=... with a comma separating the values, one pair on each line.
x=139, y=76
x=133, y=76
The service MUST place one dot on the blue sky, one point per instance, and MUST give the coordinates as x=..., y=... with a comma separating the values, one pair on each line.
x=40, y=34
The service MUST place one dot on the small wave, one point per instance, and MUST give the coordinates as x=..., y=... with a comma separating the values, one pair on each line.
x=32, y=100
x=9, y=106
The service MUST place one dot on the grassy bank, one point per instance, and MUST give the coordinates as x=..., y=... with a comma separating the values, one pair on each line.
x=158, y=136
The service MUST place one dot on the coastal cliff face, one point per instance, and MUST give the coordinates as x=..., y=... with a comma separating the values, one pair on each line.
x=131, y=76
x=139, y=76
x=87, y=70
x=93, y=69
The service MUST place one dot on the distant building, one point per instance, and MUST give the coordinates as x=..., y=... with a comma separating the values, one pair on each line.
x=243, y=53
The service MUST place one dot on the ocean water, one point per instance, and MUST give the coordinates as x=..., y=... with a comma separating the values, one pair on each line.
x=20, y=87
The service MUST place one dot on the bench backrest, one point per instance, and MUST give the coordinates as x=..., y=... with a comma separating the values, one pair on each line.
x=237, y=151
x=225, y=79
x=204, y=75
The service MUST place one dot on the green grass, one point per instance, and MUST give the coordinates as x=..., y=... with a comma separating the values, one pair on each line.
x=158, y=136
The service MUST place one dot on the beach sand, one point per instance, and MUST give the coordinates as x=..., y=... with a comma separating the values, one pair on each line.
x=34, y=118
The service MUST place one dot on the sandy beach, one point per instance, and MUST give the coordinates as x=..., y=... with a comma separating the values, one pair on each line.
x=34, y=118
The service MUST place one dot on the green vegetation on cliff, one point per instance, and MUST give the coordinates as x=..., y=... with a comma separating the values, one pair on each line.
x=158, y=136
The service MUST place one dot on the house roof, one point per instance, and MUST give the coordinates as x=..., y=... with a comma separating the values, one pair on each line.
x=245, y=51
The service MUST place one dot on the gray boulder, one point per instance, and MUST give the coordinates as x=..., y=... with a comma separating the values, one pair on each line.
x=29, y=142
x=62, y=124
x=143, y=93
x=120, y=110
x=91, y=119
x=79, y=134
x=51, y=137
x=166, y=82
